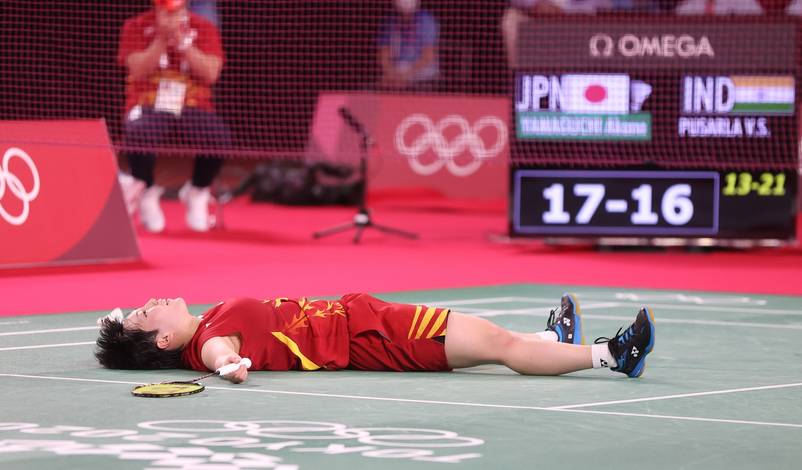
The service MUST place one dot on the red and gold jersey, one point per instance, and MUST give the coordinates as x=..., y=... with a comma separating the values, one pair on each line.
x=137, y=34
x=277, y=334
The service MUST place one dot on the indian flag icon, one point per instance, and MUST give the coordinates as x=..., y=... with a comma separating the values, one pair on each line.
x=764, y=94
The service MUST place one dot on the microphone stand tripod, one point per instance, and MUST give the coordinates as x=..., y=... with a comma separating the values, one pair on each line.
x=362, y=219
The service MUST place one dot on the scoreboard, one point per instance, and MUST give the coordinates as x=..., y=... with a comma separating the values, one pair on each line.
x=660, y=127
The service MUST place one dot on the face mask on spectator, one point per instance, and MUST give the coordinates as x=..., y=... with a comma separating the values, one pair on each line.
x=407, y=7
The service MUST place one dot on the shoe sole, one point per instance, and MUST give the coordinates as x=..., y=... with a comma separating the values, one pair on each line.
x=641, y=365
x=578, y=317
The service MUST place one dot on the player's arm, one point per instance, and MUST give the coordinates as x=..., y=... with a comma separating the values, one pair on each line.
x=220, y=351
x=141, y=63
x=204, y=67
x=202, y=51
x=426, y=58
x=386, y=62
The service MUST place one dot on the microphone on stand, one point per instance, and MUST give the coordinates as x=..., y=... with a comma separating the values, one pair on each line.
x=354, y=124
x=362, y=219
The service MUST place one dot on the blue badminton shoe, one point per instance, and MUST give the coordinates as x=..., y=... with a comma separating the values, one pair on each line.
x=568, y=324
x=631, y=348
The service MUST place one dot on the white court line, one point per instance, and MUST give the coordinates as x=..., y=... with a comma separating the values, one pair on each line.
x=285, y=392
x=482, y=300
x=478, y=313
x=682, y=395
x=41, y=346
x=757, y=311
x=687, y=418
x=70, y=379
x=53, y=330
x=700, y=308
x=429, y=402
x=534, y=310
x=659, y=319
x=587, y=304
x=624, y=304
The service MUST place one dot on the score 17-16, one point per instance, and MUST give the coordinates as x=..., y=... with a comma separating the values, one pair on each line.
x=676, y=206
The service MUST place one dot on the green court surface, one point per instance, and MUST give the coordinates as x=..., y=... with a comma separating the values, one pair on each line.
x=722, y=390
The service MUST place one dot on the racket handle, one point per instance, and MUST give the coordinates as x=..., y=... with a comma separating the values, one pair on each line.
x=229, y=368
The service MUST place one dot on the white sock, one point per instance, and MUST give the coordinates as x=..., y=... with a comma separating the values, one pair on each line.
x=548, y=335
x=602, y=356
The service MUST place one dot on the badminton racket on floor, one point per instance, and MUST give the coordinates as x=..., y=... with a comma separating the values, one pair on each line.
x=182, y=388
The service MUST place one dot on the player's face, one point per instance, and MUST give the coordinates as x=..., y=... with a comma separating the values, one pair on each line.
x=171, y=21
x=157, y=314
x=407, y=7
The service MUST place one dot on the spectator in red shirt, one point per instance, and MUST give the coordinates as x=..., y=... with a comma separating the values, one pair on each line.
x=173, y=57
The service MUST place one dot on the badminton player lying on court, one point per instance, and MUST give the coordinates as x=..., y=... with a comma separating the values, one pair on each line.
x=358, y=332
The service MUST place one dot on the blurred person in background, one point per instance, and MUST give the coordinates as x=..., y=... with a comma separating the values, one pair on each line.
x=520, y=11
x=517, y=13
x=408, y=42
x=778, y=7
x=719, y=7
x=172, y=57
x=206, y=9
x=645, y=6
x=586, y=6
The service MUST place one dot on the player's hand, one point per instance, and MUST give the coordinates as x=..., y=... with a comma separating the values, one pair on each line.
x=173, y=29
x=183, y=38
x=238, y=376
x=166, y=30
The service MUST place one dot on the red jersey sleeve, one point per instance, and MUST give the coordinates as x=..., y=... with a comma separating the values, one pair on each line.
x=133, y=37
x=129, y=42
x=208, y=40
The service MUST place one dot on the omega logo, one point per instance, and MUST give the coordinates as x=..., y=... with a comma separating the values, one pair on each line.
x=683, y=46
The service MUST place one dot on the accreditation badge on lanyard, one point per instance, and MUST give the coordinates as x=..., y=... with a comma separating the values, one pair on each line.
x=170, y=95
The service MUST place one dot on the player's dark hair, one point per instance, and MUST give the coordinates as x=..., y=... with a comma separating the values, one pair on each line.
x=120, y=348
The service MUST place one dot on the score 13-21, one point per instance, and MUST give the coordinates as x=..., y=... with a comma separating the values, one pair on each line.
x=743, y=184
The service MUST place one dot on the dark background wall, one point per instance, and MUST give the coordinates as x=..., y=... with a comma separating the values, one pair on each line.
x=58, y=59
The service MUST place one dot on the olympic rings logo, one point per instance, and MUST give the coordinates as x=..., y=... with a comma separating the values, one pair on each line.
x=433, y=138
x=312, y=431
x=15, y=186
x=242, y=444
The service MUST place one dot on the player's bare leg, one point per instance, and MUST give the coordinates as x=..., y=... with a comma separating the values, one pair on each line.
x=564, y=324
x=473, y=341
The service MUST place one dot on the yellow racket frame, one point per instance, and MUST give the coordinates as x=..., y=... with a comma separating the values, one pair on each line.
x=167, y=389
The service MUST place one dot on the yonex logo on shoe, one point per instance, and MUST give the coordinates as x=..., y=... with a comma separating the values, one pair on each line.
x=635, y=351
x=603, y=363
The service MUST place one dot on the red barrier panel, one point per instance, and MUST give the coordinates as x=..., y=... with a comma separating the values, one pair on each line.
x=60, y=202
x=457, y=145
